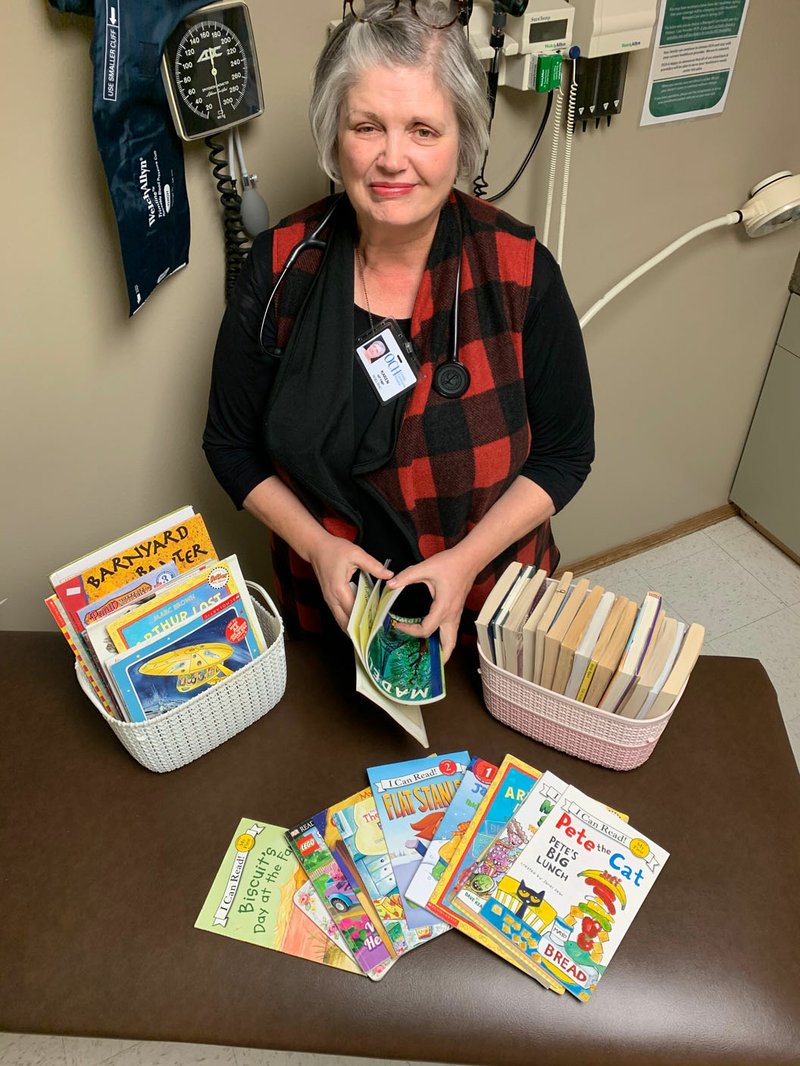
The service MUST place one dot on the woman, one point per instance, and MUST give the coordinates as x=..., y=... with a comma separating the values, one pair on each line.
x=449, y=474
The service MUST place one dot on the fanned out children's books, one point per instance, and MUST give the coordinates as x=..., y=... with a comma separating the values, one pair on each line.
x=398, y=672
x=359, y=830
x=343, y=897
x=412, y=798
x=454, y=824
x=165, y=672
x=252, y=898
x=574, y=889
x=544, y=876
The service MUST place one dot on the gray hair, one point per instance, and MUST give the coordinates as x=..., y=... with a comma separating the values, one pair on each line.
x=404, y=41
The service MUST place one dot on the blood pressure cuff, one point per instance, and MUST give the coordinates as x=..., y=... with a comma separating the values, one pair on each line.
x=141, y=152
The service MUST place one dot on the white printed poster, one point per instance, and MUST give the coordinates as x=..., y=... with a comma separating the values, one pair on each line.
x=696, y=43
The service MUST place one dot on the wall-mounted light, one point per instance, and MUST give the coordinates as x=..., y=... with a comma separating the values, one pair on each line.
x=772, y=204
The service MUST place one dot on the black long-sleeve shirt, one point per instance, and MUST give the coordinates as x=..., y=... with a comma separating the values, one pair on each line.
x=557, y=386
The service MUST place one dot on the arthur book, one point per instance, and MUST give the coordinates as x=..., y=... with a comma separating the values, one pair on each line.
x=184, y=662
x=398, y=672
x=412, y=798
x=360, y=834
x=511, y=784
x=203, y=587
x=252, y=898
x=580, y=882
x=365, y=938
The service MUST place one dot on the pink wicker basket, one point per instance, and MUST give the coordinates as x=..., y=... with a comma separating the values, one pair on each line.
x=587, y=732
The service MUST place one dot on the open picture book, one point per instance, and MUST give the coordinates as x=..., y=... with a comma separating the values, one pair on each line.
x=398, y=672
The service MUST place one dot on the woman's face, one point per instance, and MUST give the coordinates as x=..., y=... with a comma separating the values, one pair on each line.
x=376, y=350
x=398, y=148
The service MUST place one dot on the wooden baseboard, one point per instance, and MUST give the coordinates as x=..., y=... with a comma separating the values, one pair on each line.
x=652, y=540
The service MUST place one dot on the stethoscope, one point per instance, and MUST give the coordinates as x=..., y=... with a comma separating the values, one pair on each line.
x=451, y=378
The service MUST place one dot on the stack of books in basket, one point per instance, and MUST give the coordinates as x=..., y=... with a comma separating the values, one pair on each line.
x=587, y=644
x=156, y=618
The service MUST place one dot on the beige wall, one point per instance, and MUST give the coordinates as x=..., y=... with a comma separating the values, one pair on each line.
x=102, y=416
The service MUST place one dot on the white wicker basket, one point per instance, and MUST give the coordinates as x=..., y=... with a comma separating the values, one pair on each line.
x=206, y=721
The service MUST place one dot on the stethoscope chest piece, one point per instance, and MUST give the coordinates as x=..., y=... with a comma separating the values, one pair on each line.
x=451, y=379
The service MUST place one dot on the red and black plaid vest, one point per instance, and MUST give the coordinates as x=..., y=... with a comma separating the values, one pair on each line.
x=453, y=459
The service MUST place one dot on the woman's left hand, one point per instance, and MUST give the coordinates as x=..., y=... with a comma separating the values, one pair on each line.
x=449, y=582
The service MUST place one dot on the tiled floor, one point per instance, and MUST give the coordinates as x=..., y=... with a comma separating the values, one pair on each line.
x=741, y=588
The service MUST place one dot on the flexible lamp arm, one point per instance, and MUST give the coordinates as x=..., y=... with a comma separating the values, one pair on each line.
x=724, y=220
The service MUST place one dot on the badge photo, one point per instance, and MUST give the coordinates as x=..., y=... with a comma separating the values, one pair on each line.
x=382, y=356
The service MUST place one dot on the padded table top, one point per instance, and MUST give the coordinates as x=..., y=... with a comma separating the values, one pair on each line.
x=105, y=866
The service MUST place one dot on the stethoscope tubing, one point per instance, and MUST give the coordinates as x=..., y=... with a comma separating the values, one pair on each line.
x=313, y=240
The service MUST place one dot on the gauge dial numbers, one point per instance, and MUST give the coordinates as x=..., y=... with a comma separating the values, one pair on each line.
x=211, y=72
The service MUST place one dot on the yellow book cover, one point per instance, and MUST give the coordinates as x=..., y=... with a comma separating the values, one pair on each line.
x=186, y=543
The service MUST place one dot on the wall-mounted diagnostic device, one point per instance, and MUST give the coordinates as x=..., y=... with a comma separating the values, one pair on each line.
x=605, y=27
x=606, y=31
x=210, y=71
x=543, y=35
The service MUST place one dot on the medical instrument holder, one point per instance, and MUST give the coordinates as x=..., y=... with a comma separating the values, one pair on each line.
x=183, y=734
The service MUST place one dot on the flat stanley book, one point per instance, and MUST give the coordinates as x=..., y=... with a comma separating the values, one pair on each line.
x=573, y=891
x=412, y=798
x=398, y=672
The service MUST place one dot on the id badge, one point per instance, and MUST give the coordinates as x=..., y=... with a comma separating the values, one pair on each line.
x=387, y=359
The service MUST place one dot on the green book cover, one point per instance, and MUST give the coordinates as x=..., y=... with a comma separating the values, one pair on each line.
x=252, y=898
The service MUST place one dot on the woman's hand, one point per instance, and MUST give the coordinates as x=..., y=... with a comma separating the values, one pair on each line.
x=335, y=560
x=448, y=580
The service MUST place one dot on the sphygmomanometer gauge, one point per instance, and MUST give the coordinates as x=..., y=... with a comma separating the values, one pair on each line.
x=210, y=71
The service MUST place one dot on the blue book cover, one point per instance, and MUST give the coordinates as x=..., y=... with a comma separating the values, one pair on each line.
x=184, y=662
x=451, y=829
x=193, y=593
x=412, y=798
